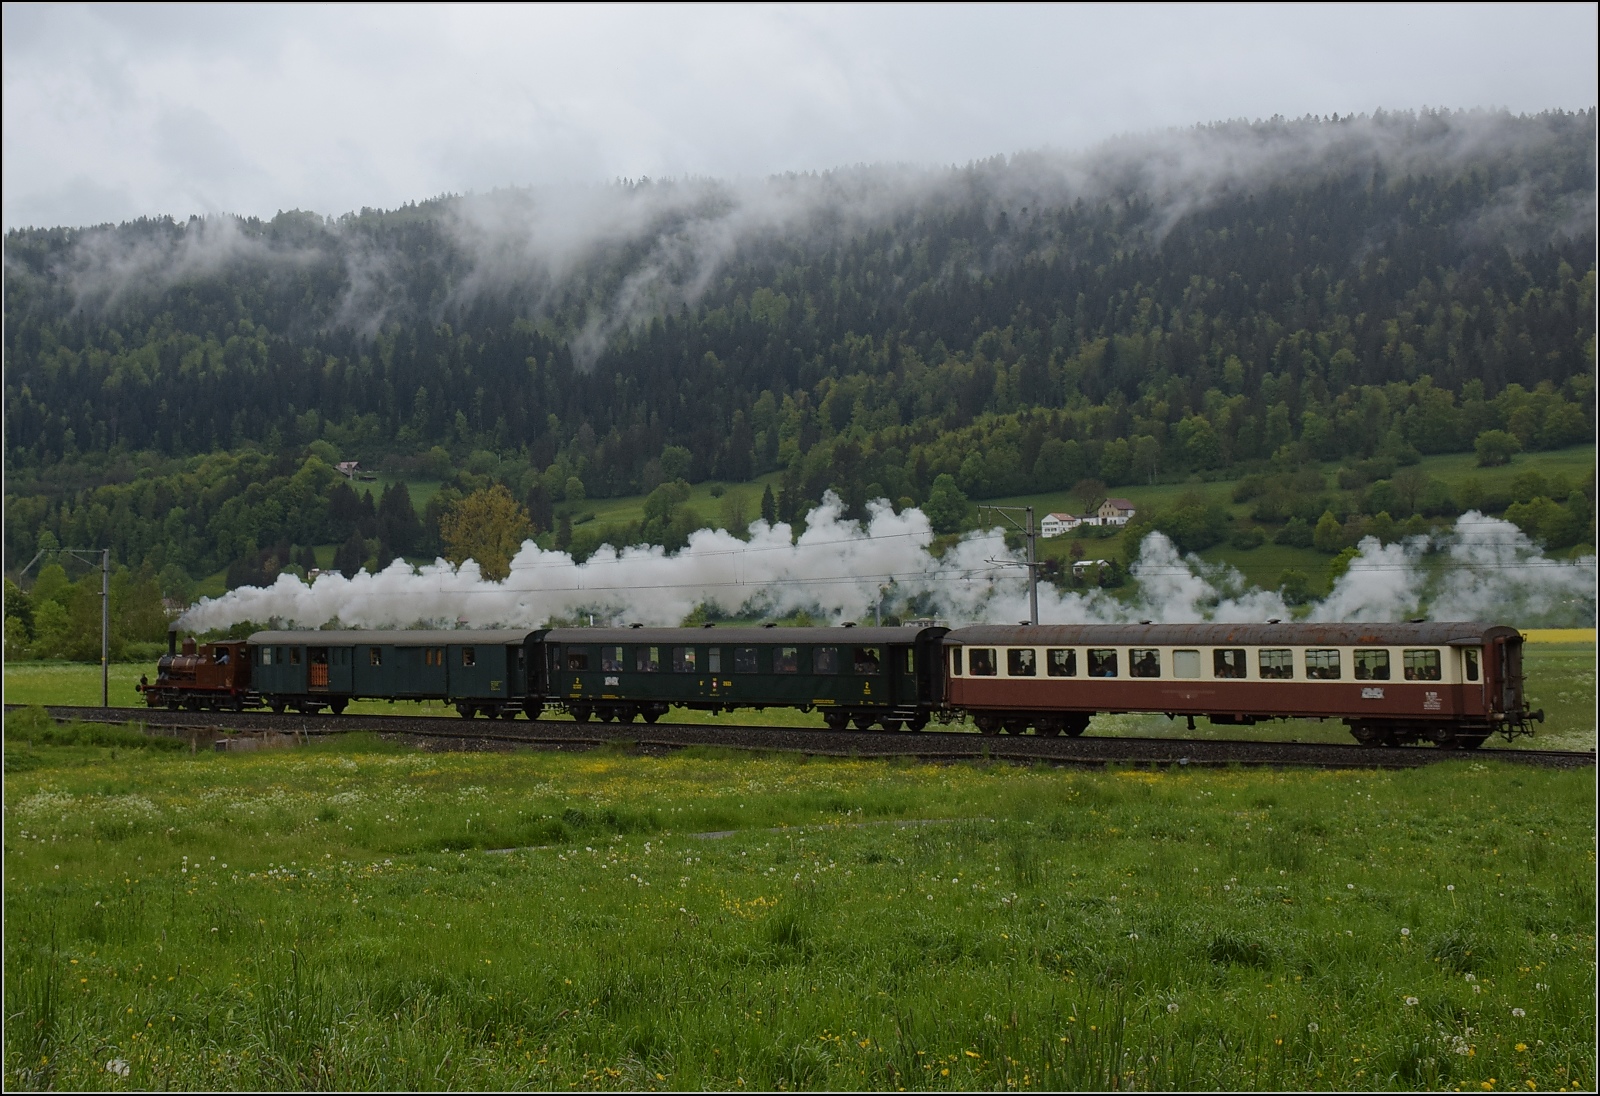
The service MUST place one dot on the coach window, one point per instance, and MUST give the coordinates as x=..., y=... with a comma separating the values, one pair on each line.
x=294, y=656
x=469, y=657
x=1472, y=663
x=866, y=660
x=683, y=660
x=1372, y=665
x=1323, y=664
x=714, y=660
x=266, y=656
x=577, y=658
x=1103, y=662
x=1228, y=662
x=1185, y=663
x=744, y=660
x=1277, y=663
x=786, y=660
x=1422, y=665
x=611, y=659
x=1061, y=662
x=374, y=656
x=955, y=661
x=911, y=661
x=825, y=660
x=1021, y=662
x=647, y=660
x=982, y=661
x=1144, y=662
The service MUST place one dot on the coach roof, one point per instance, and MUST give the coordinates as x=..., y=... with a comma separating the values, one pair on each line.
x=394, y=637
x=685, y=636
x=1440, y=633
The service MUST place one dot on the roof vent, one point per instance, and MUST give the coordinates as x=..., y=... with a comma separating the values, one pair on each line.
x=636, y=625
x=770, y=624
x=848, y=624
x=1418, y=620
x=1147, y=622
x=1274, y=620
x=708, y=624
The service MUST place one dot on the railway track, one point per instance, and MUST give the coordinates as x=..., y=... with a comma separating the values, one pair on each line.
x=936, y=745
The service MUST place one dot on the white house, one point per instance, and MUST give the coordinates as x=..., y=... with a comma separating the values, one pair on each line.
x=1053, y=525
x=1115, y=512
x=1081, y=567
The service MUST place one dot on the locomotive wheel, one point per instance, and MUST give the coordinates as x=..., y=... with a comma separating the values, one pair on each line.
x=987, y=724
x=893, y=725
x=582, y=712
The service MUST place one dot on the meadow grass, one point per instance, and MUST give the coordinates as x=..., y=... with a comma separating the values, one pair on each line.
x=339, y=916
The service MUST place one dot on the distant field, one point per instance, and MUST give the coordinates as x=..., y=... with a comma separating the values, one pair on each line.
x=1561, y=680
x=334, y=917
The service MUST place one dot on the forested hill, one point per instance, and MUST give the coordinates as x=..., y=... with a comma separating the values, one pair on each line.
x=1160, y=306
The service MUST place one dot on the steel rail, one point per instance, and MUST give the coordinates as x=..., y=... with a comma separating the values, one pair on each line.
x=1093, y=750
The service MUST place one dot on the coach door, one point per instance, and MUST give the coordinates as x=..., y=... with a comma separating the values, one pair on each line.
x=317, y=669
x=1510, y=684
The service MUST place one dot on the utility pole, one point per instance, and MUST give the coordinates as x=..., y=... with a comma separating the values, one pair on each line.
x=1025, y=526
x=87, y=555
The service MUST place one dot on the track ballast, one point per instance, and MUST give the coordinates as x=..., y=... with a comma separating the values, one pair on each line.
x=454, y=732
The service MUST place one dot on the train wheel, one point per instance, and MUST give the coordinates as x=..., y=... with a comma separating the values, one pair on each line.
x=508, y=713
x=338, y=707
x=1017, y=726
x=278, y=706
x=892, y=725
x=919, y=722
x=653, y=714
x=627, y=713
x=1075, y=724
x=582, y=712
x=835, y=720
x=533, y=709
x=465, y=710
x=1047, y=727
x=987, y=724
x=238, y=703
x=863, y=722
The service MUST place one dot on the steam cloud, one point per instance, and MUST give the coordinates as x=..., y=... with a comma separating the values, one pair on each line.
x=1482, y=569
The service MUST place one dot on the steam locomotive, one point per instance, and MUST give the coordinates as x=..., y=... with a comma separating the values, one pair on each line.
x=1450, y=684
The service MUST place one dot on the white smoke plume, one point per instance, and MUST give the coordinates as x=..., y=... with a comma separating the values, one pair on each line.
x=1482, y=569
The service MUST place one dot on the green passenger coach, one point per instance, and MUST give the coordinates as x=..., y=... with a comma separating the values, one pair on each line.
x=478, y=671
x=891, y=677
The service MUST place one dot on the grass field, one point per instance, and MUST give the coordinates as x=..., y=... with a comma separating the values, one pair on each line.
x=1561, y=680
x=340, y=917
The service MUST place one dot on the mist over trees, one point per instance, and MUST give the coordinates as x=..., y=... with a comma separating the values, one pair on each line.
x=1238, y=298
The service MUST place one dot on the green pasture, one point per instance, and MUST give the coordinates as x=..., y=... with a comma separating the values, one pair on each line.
x=358, y=915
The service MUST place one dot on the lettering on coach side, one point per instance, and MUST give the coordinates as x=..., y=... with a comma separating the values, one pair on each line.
x=1371, y=694
x=1430, y=701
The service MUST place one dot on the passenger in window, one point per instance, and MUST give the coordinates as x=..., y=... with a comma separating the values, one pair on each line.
x=744, y=660
x=1372, y=665
x=1423, y=665
x=647, y=660
x=1103, y=663
x=786, y=660
x=1144, y=662
x=1019, y=662
x=1061, y=662
x=611, y=659
x=866, y=659
x=1228, y=662
x=982, y=661
x=1277, y=664
x=1322, y=665
x=576, y=659
x=825, y=660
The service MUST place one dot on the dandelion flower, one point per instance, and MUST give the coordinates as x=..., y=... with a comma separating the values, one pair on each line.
x=1312, y=1027
x=118, y=1066
x=1519, y=1013
x=1411, y=1000
x=1552, y=935
x=1450, y=886
x=1405, y=932
x=1172, y=1007
x=1349, y=886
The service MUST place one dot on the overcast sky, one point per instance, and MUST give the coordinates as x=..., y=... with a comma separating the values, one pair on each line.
x=117, y=112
